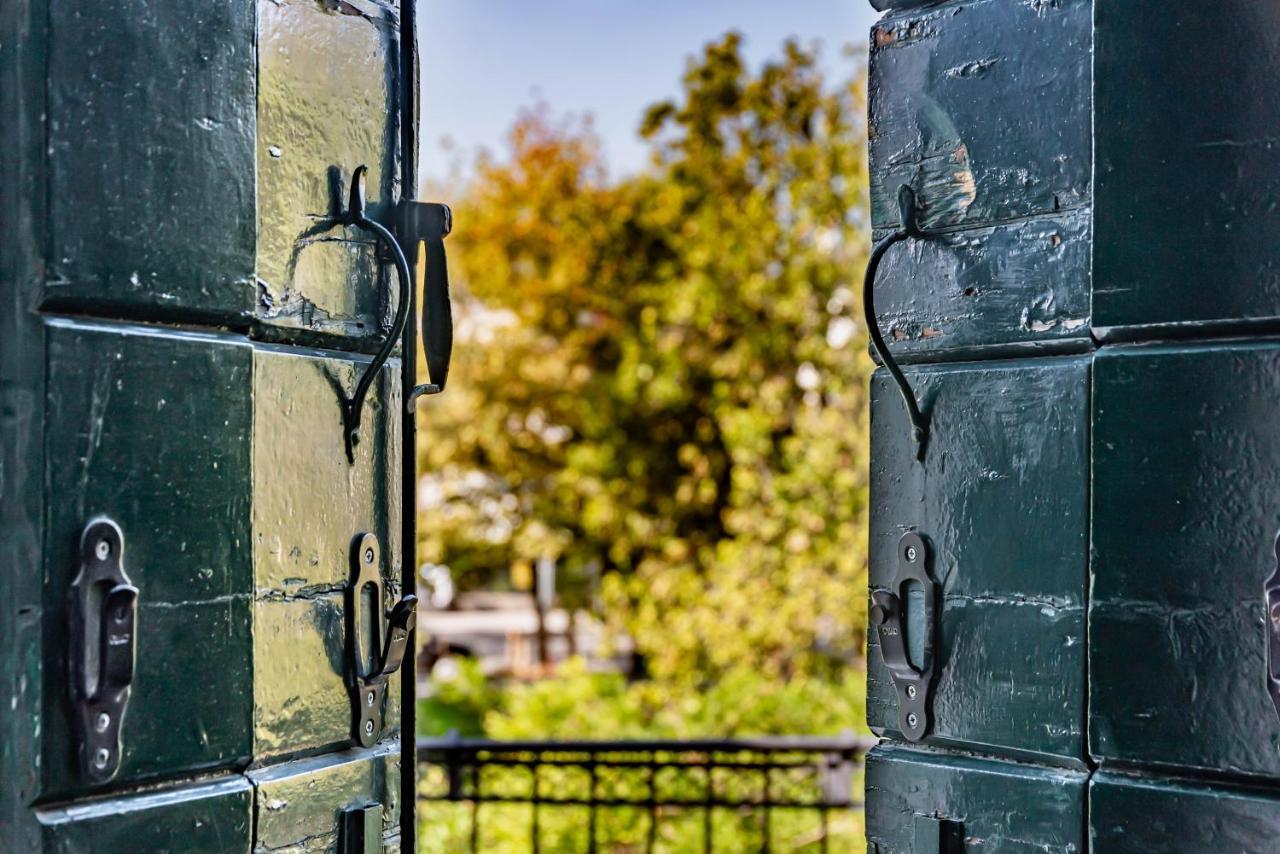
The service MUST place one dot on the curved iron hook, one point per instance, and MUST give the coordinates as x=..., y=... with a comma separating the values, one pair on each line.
x=355, y=215
x=910, y=228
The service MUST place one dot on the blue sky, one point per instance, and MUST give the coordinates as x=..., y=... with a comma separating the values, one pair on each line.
x=484, y=59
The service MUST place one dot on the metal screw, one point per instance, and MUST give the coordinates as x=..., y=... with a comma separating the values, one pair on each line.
x=102, y=550
x=911, y=691
x=912, y=720
x=368, y=555
x=103, y=721
x=368, y=727
x=101, y=758
x=368, y=700
x=911, y=553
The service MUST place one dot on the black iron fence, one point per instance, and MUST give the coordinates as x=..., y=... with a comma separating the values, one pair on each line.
x=761, y=794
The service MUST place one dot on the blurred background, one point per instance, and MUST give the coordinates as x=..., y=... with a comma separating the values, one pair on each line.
x=642, y=502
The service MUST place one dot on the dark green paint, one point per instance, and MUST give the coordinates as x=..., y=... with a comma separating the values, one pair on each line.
x=1188, y=166
x=1186, y=470
x=205, y=818
x=1010, y=271
x=152, y=429
x=983, y=107
x=1019, y=288
x=1155, y=815
x=327, y=98
x=299, y=802
x=166, y=182
x=1004, y=807
x=151, y=158
x=1007, y=454
x=23, y=195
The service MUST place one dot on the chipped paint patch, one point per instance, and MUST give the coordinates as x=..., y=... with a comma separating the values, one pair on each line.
x=970, y=69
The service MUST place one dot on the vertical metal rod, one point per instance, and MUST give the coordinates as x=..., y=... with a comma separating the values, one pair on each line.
x=706, y=809
x=767, y=811
x=534, y=833
x=591, y=829
x=408, y=97
x=475, y=808
x=653, y=806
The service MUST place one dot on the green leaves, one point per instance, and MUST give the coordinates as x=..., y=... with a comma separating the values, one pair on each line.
x=660, y=380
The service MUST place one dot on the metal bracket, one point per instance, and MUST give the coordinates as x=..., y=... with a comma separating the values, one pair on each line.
x=888, y=614
x=1271, y=595
x=104, y=622
x=360, y=830
x=374, y=650
x=937, y=835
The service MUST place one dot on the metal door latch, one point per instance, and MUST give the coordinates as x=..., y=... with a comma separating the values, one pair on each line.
x=375, y=650
x=914, y=683
x=415, y=222
x=1271, y=595
x=104, y=622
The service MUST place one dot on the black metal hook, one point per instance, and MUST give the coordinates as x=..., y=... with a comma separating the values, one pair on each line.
x=355, y=215
x=910, y=228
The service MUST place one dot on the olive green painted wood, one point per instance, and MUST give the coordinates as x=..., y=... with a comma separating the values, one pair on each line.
x=327, y=84
x=1156, y=815
x=299, y=803
x=309, y=505
x=1017, y=190
x=205, y=818
x=1188, y=169
x=1007, y=455
x=152, y=428
x=1186, y=479
x=151, y=158
x=983, y=107
x=1005, y=807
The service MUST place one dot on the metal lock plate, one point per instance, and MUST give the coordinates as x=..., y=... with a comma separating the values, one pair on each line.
x=914, y=682
x=104, y=621
x=375, y=649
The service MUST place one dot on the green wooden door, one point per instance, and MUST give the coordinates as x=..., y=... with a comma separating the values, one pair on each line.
x=1090, y=326
x=183, y=321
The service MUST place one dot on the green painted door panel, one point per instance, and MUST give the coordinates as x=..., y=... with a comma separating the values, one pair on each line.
x=327, y=103
x=1002, y=498
x=151, y=157
x=298, y=804
x=1153, y=815
x=152, y=429
x=1186, y=473
x=1012, y=269
x=202, y=818
x=1021, y=287
x=1003, y=807
x=1188, y=170
x=935, y=75
x=309, y=506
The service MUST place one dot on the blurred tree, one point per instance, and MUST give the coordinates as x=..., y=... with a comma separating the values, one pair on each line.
x=661, y=379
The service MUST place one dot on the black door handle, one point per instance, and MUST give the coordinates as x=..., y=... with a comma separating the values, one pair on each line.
x=104, y=623
x=355, y=215
x=910, y=228
x=914, y=683
x=374, y=650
